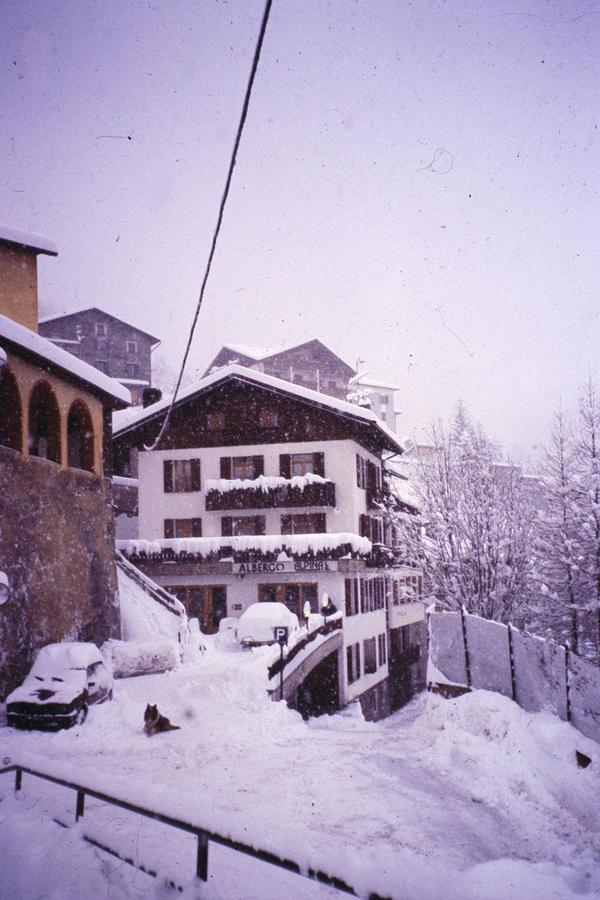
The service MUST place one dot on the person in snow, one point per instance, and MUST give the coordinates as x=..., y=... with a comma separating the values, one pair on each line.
x=327, y=607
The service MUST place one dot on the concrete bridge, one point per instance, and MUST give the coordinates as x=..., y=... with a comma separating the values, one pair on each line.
x=310, y=677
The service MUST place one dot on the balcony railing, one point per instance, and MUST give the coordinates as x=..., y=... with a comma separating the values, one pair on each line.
x=269, y=493
x=270, y=548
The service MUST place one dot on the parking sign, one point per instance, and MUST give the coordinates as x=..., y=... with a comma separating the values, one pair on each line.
x=280, y=633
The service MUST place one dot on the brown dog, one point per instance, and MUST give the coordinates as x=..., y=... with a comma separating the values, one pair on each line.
x=155, y=723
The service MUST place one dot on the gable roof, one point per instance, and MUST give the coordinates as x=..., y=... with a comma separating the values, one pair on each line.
x=262, y=354
x=77, y=312
x=34, y=344
x=129, y=419
x=27, y=239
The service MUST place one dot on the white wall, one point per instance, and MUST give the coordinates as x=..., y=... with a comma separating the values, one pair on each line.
x=340, y=467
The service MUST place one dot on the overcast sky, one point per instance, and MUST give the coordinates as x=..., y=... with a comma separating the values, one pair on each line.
x=417, y=185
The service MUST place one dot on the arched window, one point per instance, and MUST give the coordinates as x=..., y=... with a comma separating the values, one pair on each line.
x=80, y=437
x=10, y=411
x=44, y=423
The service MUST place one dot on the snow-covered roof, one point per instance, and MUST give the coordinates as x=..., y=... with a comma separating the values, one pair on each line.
x=28, y=239
x=123, y=421
x=77, y=312
x=372, y=382
x=255, y=353
x=40, y=346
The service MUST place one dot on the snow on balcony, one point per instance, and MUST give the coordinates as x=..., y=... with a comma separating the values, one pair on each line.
x=268, y=491
x=328, y=546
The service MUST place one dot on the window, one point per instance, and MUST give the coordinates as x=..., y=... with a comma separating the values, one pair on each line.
x=243, y=467
x=353, y=662
x=293, y=595
x=102, y=365
x=44, y=423
x=372, y=594
x=183, y=528
x=370, y=655
x=237, y=526
x=291, y=464
x=361, y=471
x=10, y=411
x=382, y=647
x=132, y=370
x=101, y=346
x=131, y=346
x=181, y=475
x=215, y=421
x=304, y=523
x=268, y=418
x=384, y=399
x=371, y=527
x=351, y=596
x=101, y=330
x=80, y=438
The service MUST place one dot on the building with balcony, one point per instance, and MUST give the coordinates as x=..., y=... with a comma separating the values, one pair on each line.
x=265, y=490
x=111, y=345
x=57, y=534
x=315, y=366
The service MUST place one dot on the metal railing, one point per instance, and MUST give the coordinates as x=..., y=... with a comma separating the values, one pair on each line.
x=204, y=836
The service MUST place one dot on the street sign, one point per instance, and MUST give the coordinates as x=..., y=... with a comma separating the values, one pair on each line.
x=280, y=633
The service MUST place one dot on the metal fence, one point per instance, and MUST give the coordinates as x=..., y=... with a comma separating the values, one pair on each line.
x=535, y=673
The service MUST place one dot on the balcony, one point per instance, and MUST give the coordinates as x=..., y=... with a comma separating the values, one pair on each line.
x=269, y=492
x=282, y=551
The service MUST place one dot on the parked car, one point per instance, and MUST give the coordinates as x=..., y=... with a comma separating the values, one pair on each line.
x=65, y=679
x=255, y=625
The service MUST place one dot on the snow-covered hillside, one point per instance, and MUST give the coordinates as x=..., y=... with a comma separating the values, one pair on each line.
x=467, y=798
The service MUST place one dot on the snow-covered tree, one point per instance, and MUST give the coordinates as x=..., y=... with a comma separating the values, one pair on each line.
x=559, y=535
x=588, y=483
x=478, y=522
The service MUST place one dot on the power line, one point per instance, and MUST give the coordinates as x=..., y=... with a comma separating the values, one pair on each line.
x=232, y=162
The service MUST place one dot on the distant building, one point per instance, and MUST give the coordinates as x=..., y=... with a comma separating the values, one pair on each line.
x=106, y=342
x=263, y=490
x=315, y=366
x=57, y=529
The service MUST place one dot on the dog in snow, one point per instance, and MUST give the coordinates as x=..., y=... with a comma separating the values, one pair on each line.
x=154, y=723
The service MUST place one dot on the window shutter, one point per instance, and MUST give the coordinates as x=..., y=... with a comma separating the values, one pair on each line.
x=225, y=467
x=259, y=466
x=168, y=476
x=260, y=524
x=285, y=465
x=364, y=526
x=358, y=481
x=169, y=530
x=286, y=525
x=320, y=523
x=319, y=464
x=195, y=474
x=196, y=527
x=226, y=526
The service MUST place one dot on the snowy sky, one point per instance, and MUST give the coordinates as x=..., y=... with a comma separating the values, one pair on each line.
x=417, y=184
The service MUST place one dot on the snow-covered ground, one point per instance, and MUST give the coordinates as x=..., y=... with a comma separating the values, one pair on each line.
x=467, y=798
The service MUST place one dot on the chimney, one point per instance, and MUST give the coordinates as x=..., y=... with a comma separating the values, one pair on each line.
x=151, y=395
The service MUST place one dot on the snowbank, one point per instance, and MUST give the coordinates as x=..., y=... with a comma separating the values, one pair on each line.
x=461, y=799
x=141, y=657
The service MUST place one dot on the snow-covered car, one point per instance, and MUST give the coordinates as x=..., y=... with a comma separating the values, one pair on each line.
x=65, y=679
x=255, y=625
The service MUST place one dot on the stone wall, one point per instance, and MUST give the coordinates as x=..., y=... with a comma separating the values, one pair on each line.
x=57, y=548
